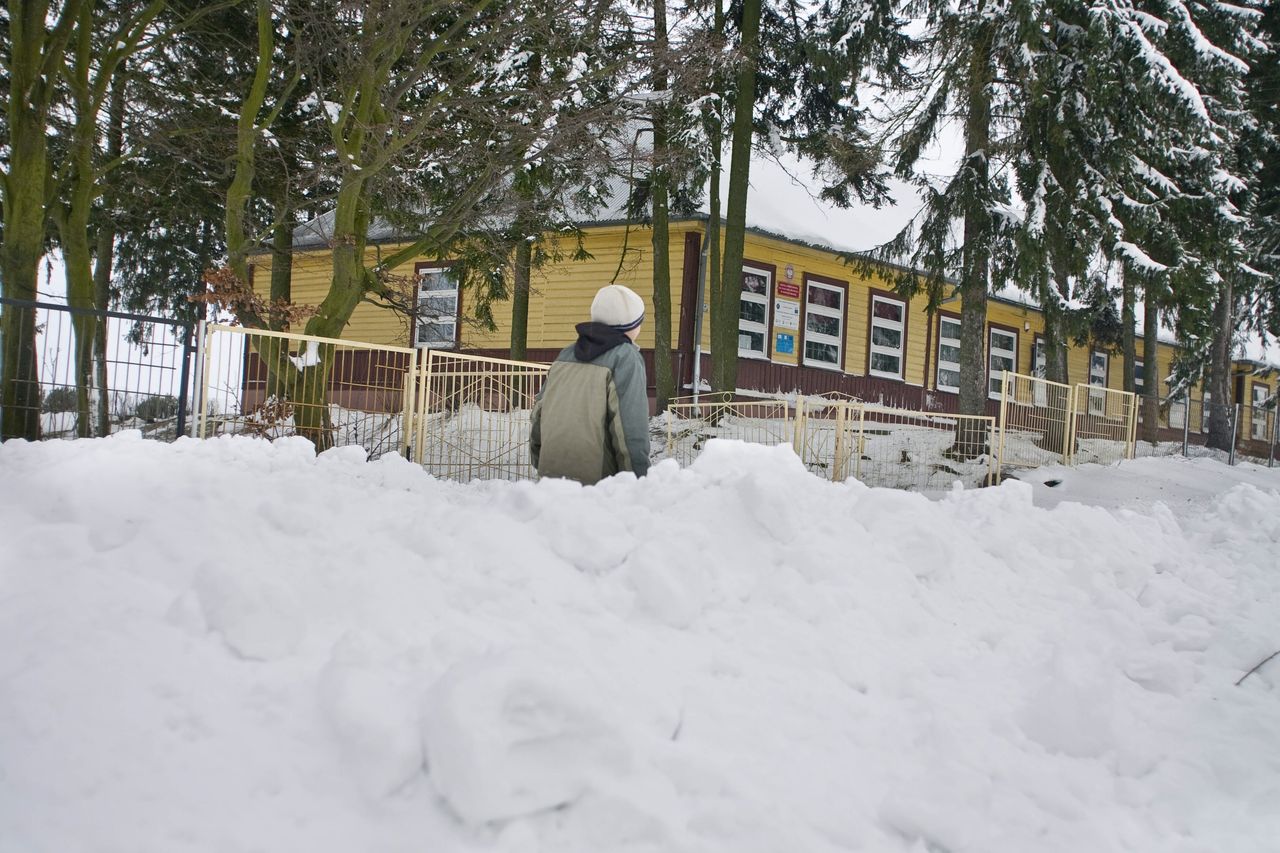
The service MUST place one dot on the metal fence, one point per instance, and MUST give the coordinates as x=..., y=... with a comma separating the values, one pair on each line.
x=86, y=373
x=1044, y=422
x=333, y=392
x=896, y=448
x=1103, y=425
x=474, y=414
x=691, y=424
x=1035, y=421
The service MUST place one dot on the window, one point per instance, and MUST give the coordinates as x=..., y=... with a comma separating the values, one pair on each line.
x=437, y=320
x=1098, y=379
x=1039, y=369
x=1206, y=409
x=1258, y=414
x=1139, y=376
x=753, y=313
x=1002, y=356
x=823, y=325
x=888, y=328
x=1177, y=408
x=948, y=354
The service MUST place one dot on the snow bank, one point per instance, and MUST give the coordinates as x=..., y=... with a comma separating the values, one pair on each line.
x=232, y=645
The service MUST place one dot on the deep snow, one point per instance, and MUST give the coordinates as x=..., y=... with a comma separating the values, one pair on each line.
x=232, y=645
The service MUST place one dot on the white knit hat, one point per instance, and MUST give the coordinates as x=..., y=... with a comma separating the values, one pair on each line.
x=617, y=307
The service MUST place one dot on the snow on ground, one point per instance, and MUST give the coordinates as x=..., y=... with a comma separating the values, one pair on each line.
x=233, y=645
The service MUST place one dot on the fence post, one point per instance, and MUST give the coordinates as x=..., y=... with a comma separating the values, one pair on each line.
x=407, y=420
x=1004, y=413
x=670, y=436
x=203, y=359
x=424, y=403
x=1069, y=424
x=1132, y=450
x=838, y=453
x=861, y=446
x=184, y=386
x=1275, y=431
x=798, y=429
x=1235, y=428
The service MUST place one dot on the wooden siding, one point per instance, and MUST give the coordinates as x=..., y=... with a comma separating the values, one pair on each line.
x=562, y=292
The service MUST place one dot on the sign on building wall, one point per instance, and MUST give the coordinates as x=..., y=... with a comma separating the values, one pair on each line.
x=785, y=344
x=786, y=315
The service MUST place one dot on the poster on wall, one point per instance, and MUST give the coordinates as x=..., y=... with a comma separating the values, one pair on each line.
x=786, y=315
x=785, y=344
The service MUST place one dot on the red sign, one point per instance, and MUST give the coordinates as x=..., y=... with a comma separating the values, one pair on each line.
x=786, y=288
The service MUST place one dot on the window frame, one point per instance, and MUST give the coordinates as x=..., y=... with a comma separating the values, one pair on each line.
x=841, y=343
x=992, y=330
x=420, y=295
x=946, y=317
x=1098, y=402
x=770, y=274
x=1139, y=379
x=873, y=348
x=1258, y=427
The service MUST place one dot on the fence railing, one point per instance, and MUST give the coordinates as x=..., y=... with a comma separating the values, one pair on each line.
x=333, y=392
x=896, y=448
x=1104, y=425
x=70, y=372
x=474, y=414
x=1036, y=417
x=690, y=425
x=1044, y=422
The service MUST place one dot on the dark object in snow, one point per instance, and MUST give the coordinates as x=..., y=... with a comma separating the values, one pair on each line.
x=1052, y=483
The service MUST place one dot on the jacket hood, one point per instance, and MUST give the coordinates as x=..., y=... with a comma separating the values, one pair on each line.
x=596, y=339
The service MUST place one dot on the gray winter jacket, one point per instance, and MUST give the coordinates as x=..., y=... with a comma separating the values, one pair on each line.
x=591, y=419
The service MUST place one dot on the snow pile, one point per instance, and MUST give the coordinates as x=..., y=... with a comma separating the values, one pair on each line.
x=232, y=645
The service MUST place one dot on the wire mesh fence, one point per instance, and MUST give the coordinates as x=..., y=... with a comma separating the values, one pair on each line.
x=897, y=448
x=691, y=424
x=474, y=414
x=335, y=393
x=86, y=373
x=1103, y=425
x=1035, y=421
x=1044, y=422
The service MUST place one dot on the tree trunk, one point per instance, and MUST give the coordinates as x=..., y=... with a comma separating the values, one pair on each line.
x=71, y=216
x=1128, y=344
x=715, y=138
x=104, y=253
x=1151, y=374
x=664, y=379
x=1220, y=411
x=522, y=274
x=1055, y=402
x=725, y=349
x=974, y=286
x=240, y=191
x=23, y=187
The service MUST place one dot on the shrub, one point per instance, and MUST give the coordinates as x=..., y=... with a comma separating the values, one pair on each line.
x=60, y=400
x=157, y=408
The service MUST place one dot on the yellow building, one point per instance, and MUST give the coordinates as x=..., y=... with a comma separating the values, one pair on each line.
x=809, y=323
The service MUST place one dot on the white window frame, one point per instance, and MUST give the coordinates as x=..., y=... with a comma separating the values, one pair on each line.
x=1098, y=401
x=900, y=351
x=1139, y=376
x=995, y=378
x=421, y=274
x=764, y=299
x=1040, y=370
x=946, y=340
x=1258, y=425
x=811, y=309
x=1177, y=408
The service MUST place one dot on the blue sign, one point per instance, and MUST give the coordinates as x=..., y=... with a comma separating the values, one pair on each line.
x=786, y=344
